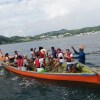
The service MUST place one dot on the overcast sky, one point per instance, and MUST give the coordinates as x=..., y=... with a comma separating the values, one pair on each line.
x=32, y=17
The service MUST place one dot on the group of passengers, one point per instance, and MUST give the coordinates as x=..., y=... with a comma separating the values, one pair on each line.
x=41, y=59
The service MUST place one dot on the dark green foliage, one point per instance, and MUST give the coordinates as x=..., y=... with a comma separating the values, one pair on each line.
x=4, y=40
x=73, y=32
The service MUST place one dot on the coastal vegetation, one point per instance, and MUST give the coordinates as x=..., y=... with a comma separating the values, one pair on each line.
x=52, y=34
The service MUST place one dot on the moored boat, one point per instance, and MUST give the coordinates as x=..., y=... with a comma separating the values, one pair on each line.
x=86, y=75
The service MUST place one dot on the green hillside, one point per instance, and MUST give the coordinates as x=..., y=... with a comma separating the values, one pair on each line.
x=73, y=32
x=64, y=32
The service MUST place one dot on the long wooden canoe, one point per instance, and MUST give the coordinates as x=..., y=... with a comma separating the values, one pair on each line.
x=86, y=76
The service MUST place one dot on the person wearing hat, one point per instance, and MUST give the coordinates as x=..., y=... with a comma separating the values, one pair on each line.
x=81, y=54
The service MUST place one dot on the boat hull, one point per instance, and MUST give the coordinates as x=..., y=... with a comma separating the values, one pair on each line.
x=80, y=77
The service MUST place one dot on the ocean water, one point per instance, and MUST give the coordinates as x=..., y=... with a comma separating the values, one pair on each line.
x=15, y=87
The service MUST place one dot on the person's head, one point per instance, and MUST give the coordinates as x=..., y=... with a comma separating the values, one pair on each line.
x=31, y=49
x=67, y=50
x=6, y=55
x=52, y=48
x=20, y=57
x=15, y=52
x=81, y=48
x=40, y=48
x=58, y=50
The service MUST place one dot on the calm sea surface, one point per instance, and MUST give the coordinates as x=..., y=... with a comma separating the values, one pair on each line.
x=14, y=87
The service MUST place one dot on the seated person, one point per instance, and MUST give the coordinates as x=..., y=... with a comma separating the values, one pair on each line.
x=52, y=56
x=37, y=62
x=25, y=62
x=54, y=52
x=42, y=56
x=20, y=62
x=7, y=60
x=69, y=59
x=15, y=57
x=60, y=59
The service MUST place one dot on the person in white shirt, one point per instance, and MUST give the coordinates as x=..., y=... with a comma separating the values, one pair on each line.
x=7, y=60
x=33, y=53
x=59, y=60
x=25, y=62
x=15, y=57
x=69, y=59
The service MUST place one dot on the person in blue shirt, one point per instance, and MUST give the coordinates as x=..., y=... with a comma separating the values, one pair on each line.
x=54, y=53
x=81, y=54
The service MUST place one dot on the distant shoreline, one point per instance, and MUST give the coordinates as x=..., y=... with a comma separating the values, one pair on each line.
x=50, y=35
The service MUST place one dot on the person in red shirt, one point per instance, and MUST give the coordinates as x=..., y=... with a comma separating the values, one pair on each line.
x=20, y=62
x=36, y=62
x=42, y=56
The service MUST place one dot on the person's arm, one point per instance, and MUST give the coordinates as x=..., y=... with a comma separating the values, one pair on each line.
x=34, y=51
x=76, y=57
x=76, y=52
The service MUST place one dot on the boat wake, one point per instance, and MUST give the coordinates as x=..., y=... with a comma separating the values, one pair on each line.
x=2, y=71
x=14, y=78
x=27, y=82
